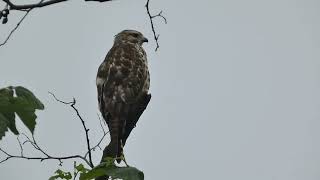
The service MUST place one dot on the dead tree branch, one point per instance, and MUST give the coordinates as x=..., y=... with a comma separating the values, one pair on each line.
x=31, y=6
x=72, y=104
x=38, y=5
x=18, y=24
x=101, y=139
x=9, y=156
x=45, y=156
x=151, y=17
x=28, y=7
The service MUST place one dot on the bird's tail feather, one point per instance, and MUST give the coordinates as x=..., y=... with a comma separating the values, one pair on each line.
x=113, y=150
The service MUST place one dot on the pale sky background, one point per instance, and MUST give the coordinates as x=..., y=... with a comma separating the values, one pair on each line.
x=235, y=86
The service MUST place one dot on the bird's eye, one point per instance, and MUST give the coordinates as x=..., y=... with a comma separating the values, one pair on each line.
x=135, y=35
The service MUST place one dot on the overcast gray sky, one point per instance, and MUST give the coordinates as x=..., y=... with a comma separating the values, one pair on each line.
x=235, y=85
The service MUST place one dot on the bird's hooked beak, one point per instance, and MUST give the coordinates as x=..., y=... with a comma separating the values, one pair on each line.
x=145, y=39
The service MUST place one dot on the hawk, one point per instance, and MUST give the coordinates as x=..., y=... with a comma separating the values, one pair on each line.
x=122, y=83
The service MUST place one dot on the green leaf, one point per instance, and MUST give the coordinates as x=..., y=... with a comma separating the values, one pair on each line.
x=3, y=125
x=126, y=173
x=30, y=97
x=81, y=168
x=28, y=118
x=24, y=104
x=6, y=92
x=94, y=173
x=11, y=122
x=62, y=175
x=109, y=169
x=6, y=95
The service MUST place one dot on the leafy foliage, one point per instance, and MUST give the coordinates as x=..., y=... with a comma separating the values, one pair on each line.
x=79, y=169
x=62, y=175
x=23, y=103
x=17, y=100
x=108, y=168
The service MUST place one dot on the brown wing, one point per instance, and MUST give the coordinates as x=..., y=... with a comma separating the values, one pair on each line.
x=134, y=114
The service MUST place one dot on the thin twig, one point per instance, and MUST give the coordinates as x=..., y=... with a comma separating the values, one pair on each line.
x=38, y=147
x=34, y=143
x=54, y=96
x=27, y=8
x=86, y=130
x=46, y=156
x=102, y=121
x=17, y=25
x=9, y=156
x=160, y=15
x=97, y=145
x=75, y=174
x=15, y=28
x=151, y=17
x=72, y=104
x=21, y=149
x=101, y=139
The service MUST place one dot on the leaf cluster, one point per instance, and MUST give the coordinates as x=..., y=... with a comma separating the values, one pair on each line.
x=106, y=168
x=21, y=102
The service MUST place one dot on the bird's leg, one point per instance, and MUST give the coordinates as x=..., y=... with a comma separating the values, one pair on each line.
x=122, y=154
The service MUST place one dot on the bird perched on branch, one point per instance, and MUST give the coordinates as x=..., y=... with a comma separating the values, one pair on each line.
x=123, y=82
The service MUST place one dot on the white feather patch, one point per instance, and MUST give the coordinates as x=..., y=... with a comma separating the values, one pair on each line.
x=100, y=81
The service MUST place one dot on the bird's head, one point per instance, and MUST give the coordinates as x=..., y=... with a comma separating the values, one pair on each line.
x=130, y=36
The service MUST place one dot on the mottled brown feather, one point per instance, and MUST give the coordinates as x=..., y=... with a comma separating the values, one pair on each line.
x=122, y=84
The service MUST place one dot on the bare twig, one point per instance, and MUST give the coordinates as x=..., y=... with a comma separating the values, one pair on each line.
x=101, y=139
x=72, y=104
x=39, y=5
x=27, y=8
x=37, y=147
x=101, y=123
x=20, y=145
x=151, y=17
x=29, y=141
x=54, y=96
x=15, y=28
x=45, y=155
x=160, y=15
x=18, y=24
x=98, y=144
x=75, y=174
x=34, y=143
x=10, y=156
